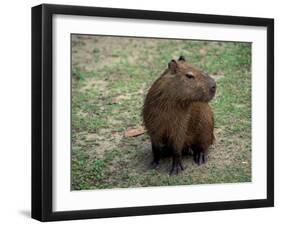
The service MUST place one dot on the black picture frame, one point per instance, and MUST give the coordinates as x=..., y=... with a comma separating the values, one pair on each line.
x=42, y=87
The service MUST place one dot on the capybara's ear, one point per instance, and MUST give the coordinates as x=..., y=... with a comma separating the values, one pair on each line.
x=181, y=58
x=173, y=66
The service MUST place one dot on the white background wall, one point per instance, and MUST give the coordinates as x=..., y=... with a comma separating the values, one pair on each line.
x=15, y=104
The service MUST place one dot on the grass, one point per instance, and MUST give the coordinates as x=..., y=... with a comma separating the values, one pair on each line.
x=110, y=78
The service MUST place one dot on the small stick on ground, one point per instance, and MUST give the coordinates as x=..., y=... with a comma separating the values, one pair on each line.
x=134, y=132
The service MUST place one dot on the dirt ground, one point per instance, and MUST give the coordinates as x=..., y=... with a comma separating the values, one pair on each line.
x=110, y=78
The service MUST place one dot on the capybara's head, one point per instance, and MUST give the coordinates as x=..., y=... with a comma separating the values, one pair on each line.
x=185, y=82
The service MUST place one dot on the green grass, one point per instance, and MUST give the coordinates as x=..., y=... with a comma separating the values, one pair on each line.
x=110, y=78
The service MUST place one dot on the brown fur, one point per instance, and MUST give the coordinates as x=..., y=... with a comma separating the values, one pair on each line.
x=177, y=115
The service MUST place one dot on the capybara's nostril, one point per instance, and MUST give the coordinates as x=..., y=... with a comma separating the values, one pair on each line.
x=213, y=88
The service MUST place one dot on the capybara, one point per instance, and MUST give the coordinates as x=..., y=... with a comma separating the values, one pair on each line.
x=177, y=115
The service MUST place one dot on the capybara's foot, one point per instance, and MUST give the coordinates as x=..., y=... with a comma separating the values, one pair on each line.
x=154, y=164
x=176, y=168
x=199, y=158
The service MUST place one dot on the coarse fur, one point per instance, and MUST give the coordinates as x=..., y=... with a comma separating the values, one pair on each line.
x=177, y=115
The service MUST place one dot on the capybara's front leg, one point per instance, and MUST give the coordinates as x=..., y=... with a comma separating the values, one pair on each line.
x=199, y=155
x=156, y=151
x=176, y=164
x=199, y=158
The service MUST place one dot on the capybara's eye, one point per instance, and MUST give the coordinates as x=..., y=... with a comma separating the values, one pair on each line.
x=189, y=75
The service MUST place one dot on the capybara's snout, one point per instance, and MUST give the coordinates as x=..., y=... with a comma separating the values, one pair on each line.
x=212, y=85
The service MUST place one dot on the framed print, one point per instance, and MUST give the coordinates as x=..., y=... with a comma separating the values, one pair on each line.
x=145, y=112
